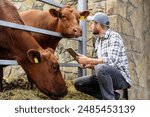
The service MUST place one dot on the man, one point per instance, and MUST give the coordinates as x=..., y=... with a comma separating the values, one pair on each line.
x=111, y=64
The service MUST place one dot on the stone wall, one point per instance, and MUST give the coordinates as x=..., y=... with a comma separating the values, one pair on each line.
x=133, y=22
x=131, y=18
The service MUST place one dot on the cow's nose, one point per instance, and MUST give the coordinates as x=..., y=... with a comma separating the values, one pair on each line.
x=77, y=31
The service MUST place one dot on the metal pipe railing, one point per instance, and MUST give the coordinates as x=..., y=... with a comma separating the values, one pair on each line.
x=82, y=40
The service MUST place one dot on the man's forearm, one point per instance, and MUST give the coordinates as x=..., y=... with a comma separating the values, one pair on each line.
x=95, y=61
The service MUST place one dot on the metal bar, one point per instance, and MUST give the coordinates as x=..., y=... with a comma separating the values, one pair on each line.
x=38, y=30
x=69, y=65
x=28, y=28
x=14, y=62
x=80, y=71
x=51, y=2
x=8, y=62
x=82, y=4
x=32, y=29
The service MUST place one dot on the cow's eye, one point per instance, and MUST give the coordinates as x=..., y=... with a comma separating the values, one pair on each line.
x=63, y=17
x=55, y=67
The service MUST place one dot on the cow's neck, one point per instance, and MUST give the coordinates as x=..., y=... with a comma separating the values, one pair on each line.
x=52, y=24
x=21, y=45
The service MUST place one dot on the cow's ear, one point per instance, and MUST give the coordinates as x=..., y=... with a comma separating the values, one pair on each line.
x=84, y=13
x=54, y=12
x=34, y=56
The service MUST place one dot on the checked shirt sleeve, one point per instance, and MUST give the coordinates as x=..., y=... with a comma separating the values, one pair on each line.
x=113, y=50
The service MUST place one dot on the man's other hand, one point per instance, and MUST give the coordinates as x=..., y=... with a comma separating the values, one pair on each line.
x=89, y=66
x=82, y=59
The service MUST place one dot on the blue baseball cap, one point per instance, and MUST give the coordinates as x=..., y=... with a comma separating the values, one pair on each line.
x=100, y=18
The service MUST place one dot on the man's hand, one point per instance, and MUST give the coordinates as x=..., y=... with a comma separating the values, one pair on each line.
x=86, y=62
x=89, y=66
x=82, y=59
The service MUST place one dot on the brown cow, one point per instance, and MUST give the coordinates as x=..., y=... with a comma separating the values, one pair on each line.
x=40, y=65
x=65, y=20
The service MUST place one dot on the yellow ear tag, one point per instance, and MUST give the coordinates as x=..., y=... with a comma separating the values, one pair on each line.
x=36, y=60
x=82, y=17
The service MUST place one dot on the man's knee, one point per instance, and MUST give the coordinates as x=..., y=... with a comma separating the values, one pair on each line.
x=77, y=84
x=82, y=82
x=101, y=69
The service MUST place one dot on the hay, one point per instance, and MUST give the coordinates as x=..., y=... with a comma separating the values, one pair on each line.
x=16, y=90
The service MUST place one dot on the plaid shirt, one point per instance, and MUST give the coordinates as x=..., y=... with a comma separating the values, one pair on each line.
x=111, y=49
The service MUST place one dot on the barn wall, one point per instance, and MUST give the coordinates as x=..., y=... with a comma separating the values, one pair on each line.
x=131, y=18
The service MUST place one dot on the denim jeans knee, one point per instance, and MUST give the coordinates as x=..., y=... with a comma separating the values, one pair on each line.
x=101, y=69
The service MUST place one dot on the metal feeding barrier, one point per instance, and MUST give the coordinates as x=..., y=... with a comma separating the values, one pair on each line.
x=81, y=40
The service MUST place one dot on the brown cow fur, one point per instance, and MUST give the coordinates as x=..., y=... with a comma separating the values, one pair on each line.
x=65, y=20
x=21, y=46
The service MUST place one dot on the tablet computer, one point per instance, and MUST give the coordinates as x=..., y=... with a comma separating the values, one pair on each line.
x=73, y=53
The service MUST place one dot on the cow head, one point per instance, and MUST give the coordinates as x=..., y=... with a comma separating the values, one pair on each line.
x=68, y=21
x=43, y=68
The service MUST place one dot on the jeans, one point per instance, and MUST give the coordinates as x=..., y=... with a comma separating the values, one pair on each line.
x=103, y=84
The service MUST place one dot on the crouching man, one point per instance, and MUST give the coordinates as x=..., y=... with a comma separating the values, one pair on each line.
x=111, y=64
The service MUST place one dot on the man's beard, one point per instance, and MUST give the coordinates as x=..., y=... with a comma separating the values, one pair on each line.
x=95, y=32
